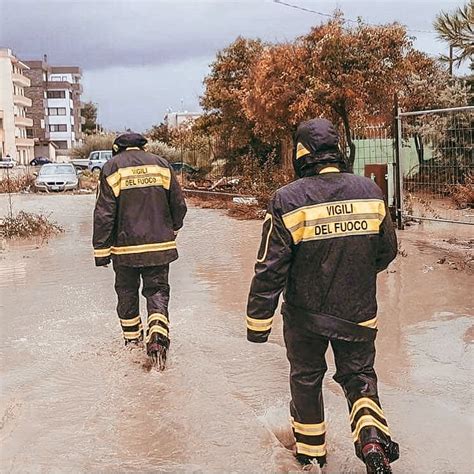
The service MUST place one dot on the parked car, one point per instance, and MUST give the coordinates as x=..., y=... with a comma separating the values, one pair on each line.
x=57, y=177
x=39, y=161
x=94, y=161
x=186, y=168
x=97, y=159
x=7, y=162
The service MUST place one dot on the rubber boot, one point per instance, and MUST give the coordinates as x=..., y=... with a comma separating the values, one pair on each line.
x=157, y=351
x=312, y=464
x=375, y=459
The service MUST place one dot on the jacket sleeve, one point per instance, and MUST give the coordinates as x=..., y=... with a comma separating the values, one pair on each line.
x=104, y=222
x=177, y=203
x=271, y=269
x=387, y=246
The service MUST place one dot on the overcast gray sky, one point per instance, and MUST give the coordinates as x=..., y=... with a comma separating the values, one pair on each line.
x=140, y=57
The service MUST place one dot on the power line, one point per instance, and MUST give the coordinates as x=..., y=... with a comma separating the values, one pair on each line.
x=346, y=20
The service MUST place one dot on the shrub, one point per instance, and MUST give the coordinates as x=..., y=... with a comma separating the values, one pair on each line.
x=17, y=184
x=262, y=180
x=26, y=224
x=92, y=143
x=463, y=194
x=168, y=152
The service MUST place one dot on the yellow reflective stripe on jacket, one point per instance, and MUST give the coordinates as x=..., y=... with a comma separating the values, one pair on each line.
x=268, y=217
x=259, y=325
x=369, y=420
x=102, y=252
x=139, y=177
x=371, y=323
x=314, y=429
x=157, y=317
x=365, y=403
x=133, y=249
x=335, y=219
x=310, y=450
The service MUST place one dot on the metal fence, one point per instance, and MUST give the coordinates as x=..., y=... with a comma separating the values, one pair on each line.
x=435, y=153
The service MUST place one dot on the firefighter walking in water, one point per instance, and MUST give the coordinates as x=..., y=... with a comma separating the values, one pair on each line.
x=139, y=210
x=325, y=238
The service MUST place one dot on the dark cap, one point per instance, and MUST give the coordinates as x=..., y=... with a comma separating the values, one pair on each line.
x=128, y=140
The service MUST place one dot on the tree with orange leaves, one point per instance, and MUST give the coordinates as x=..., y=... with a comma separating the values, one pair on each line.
x=351, y=73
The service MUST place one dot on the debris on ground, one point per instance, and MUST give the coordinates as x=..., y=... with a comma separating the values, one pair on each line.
x=28, y=224
x=88, y=181
x=237, y=211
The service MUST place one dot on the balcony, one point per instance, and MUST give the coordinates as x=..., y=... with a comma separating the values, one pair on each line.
x=20, y=80
x=25, y=142
x=23, y=121
x=22, y=100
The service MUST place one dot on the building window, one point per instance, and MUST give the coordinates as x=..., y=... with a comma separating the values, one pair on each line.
x=56, y=110
x=56, y=94
x=59, y=127
x=61, y=144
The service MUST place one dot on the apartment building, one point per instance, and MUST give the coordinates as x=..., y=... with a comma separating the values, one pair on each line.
x=177, y=119
x=56, y=111
x=14, y=104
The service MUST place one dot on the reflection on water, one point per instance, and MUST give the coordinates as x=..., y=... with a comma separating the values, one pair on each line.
x=74, y=399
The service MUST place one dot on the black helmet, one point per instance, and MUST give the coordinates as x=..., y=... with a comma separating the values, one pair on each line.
x=128, y=140
x=316, y=146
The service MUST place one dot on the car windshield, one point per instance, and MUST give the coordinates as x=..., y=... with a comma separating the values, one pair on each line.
x=57, y=169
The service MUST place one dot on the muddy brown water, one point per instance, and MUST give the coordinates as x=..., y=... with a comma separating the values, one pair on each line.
x=73, y=399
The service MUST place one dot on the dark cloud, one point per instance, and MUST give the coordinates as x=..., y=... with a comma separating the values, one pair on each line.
x=166, y=45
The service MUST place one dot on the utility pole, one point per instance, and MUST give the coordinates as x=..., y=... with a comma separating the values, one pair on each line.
x=451, y=59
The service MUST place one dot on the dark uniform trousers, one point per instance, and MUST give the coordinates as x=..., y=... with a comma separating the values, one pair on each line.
x=155, y=289
x=354, y=372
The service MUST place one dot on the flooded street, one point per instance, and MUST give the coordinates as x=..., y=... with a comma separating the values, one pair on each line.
x=73, y=399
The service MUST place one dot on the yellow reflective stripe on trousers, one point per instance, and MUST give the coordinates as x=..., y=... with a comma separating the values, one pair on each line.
x=131, y=335
x=130, y=322
x=371, y=323
x=260, y=325
x=132, y=249
x=309, y=450
x=102, y=252
x=156, y=329
x=368, y=420
x=365, y=403
x=157, y=317
x=309, y=429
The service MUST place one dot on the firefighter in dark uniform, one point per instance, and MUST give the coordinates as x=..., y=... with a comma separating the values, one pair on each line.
x=325, y=238
x=139, y=211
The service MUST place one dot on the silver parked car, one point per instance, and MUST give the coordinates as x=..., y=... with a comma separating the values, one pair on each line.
x=57, y=177
x=97, y=159
x=7, y=162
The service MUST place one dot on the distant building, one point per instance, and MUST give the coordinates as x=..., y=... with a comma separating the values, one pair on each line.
x=176, y=119
x=56, y=111
x=14, y=140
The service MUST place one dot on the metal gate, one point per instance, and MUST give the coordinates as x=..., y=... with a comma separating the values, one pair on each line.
x=435, y=165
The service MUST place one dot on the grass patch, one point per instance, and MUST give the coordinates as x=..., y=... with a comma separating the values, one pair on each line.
x=27, y=224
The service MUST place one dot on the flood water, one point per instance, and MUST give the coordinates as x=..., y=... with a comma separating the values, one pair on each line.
x=74, y=399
